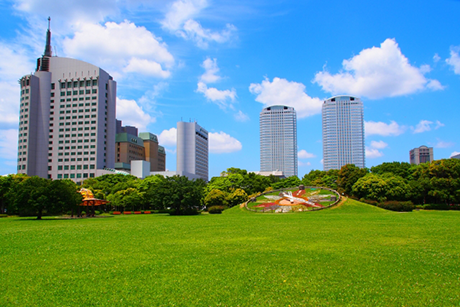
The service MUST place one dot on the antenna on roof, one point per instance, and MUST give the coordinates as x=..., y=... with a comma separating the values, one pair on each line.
x=48, y=40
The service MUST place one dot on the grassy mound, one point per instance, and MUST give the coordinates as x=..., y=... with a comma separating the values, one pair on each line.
x=355, y=254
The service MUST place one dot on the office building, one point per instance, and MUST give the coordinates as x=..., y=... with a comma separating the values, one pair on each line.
x=343, y=132
x=421, y=154
x=131, y=146
x=67, y=119
x=278, y=140
x=192, y=150
x=455, y=156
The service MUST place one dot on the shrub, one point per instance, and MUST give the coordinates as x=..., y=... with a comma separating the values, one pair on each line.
x=216, y=209
x=401, y=206
x=3, y=215
x=188, y=211
x=440, y=207
x=97, y=212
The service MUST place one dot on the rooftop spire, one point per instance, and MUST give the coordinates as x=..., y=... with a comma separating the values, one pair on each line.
x=48, y=40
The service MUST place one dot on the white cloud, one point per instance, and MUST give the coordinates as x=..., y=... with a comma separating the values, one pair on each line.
x=378, y=145
x=211, y=70
x=383, y=129
x=443, y=144
x=122, y=47
x=79, y=11
x=194, y=31
x=373, y=153
x=288, y=93
x=9, y=144
x=425, y=69
x=221, y=142
x=168, y=137
x=300, y=163
x=132, y=114
x=240, y=116
x=179, y=20
x=180, y=11
x=454, y=60
x=436, y=58
x=439, y=125
x=377, y=72
x=423, y=126
x=220, y=97
x=426, y=125
x=454, y=153
x=14, y=64
x=146, y=67
x=303, y=154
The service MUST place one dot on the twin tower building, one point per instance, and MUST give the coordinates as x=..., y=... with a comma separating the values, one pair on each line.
x=342, y=129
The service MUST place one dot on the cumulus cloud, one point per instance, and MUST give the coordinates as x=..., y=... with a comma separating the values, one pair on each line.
x=379, y=144
x=303, y=154
x=377, y=72
x=288, y=93
x=454, y=60
x=436, y=58
x=79, y=11
x=426, y=125
x=211, y=70
x=443, y=144
x=422, y=126
x=383, y=129
x=240, y=116
x=372, y=153
x=9, y=145
x=179, y=20
x=146, y=67
x=15, y=63
x=132, y=114
x=168, y=137
x=300, y=163
x=221, y=142
x=222, y=98
x=122, y=47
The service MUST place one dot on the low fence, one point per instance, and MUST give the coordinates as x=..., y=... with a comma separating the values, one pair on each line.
x=264, y=210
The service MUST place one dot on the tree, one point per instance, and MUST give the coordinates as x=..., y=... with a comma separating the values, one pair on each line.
x=402, y=169
x=216, y=198
x=289, y=182
x=238, y=196
x=181, y=195
x=348, y=176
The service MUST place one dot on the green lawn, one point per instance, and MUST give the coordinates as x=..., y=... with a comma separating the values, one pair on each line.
x=351, y=255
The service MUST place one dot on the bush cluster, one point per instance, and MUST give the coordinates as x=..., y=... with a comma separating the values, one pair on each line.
x=216, y=209
x=393, y=205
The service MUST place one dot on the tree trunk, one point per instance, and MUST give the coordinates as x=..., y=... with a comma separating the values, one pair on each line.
x=39, y=215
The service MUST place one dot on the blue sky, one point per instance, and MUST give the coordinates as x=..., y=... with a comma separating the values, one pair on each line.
x=221, y=62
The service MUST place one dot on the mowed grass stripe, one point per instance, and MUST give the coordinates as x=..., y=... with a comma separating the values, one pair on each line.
x=354, y=254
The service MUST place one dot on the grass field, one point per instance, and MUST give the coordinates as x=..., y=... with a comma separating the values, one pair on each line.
x=352, y=255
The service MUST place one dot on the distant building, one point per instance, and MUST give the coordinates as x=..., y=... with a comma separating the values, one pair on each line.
x=67, y=119
x=455, y=157
x=192, y=150
x=278, y=140
x=133, y=147
x=422, y=154
x=343, y=132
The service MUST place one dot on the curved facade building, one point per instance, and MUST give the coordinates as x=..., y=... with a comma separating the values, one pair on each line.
x=343, y=132
x=278, y=140
x=67, y=119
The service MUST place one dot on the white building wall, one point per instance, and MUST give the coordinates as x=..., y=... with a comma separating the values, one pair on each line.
x=192, y=149
x=343, y=132
x=278, y=140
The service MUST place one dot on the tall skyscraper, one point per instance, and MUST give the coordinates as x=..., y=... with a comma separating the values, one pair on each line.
x=421, y=154
x=192, y=150
x=278, y=140
x=343, y=132
x=67, y=119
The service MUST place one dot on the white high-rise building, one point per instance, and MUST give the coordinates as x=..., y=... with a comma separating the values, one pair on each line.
x=343, y=132
x=192, y=150
x=67, y=119
x=278, y=140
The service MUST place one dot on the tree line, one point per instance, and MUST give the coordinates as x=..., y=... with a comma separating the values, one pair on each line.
x=429, y=185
